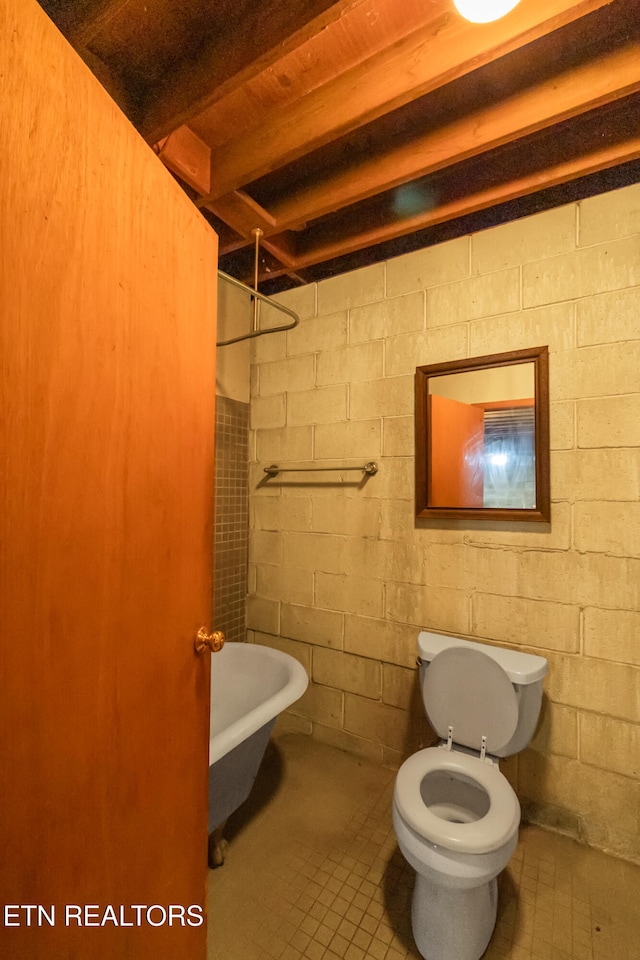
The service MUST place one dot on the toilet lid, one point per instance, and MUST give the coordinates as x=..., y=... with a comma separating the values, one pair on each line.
x=469, y=691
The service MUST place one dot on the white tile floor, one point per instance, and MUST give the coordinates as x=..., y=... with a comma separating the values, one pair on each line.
x=313, y=873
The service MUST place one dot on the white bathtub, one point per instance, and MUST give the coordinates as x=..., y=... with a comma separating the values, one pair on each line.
x=250, y=685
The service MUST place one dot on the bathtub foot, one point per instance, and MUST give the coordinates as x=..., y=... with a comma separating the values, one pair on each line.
x=217, y=846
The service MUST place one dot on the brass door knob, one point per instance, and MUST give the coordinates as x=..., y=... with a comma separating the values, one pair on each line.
x=214, y=641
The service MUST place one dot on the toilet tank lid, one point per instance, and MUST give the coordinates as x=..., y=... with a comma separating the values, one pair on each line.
x=521, y=668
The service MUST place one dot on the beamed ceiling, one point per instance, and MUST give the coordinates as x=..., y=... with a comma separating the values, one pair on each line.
x=355, y=130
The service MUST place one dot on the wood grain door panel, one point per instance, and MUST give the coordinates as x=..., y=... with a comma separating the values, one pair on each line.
x=108, y=292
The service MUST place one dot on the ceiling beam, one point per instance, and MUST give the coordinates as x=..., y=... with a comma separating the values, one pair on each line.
x=258, y=42
x=240, y=212
x=188, y=157
x=578, y=91
x=447, y=48
x=359, y=32
x=282, y=249
x=554, y=174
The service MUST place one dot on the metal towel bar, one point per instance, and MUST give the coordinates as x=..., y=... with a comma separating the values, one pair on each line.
x=369, y=469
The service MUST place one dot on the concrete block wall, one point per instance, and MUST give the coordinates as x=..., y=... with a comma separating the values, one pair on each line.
x=342, y=576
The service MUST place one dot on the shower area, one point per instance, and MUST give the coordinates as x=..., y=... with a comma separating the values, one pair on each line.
x=240, y=321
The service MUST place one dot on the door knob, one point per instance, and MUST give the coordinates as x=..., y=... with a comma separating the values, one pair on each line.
x=214, y=641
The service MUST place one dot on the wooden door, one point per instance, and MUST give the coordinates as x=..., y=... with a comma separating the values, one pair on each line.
x=456, y=433
x=107, y=389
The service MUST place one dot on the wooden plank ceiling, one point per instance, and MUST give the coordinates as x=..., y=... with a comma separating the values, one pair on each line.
x=351, y=130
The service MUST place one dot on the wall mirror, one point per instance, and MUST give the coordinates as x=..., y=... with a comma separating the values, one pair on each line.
x=482, y=438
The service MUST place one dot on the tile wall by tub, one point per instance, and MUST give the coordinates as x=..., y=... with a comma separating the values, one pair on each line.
x=231, y=530
x=343, y=577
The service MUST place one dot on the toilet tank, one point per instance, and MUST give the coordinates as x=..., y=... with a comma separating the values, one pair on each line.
x=525, y=670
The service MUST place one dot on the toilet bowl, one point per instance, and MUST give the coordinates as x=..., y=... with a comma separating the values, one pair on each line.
x=455, y=815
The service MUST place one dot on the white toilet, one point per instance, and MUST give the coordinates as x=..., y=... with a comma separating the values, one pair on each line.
x=455, y=815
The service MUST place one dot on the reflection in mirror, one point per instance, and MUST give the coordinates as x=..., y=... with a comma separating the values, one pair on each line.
x=482, y=445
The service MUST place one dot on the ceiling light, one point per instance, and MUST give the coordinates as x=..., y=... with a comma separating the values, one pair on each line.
x=483, y=11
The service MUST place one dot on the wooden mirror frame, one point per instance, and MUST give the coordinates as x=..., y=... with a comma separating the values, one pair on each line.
x=539, y=356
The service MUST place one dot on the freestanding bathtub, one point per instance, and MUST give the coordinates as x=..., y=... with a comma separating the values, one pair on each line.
x=250, y=685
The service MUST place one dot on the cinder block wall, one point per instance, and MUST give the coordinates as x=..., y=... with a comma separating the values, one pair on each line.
x=343, y=577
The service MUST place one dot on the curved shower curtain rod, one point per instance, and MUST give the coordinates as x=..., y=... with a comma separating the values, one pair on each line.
x=257, y=296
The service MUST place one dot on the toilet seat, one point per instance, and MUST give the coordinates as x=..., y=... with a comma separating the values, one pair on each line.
x=481, y=836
